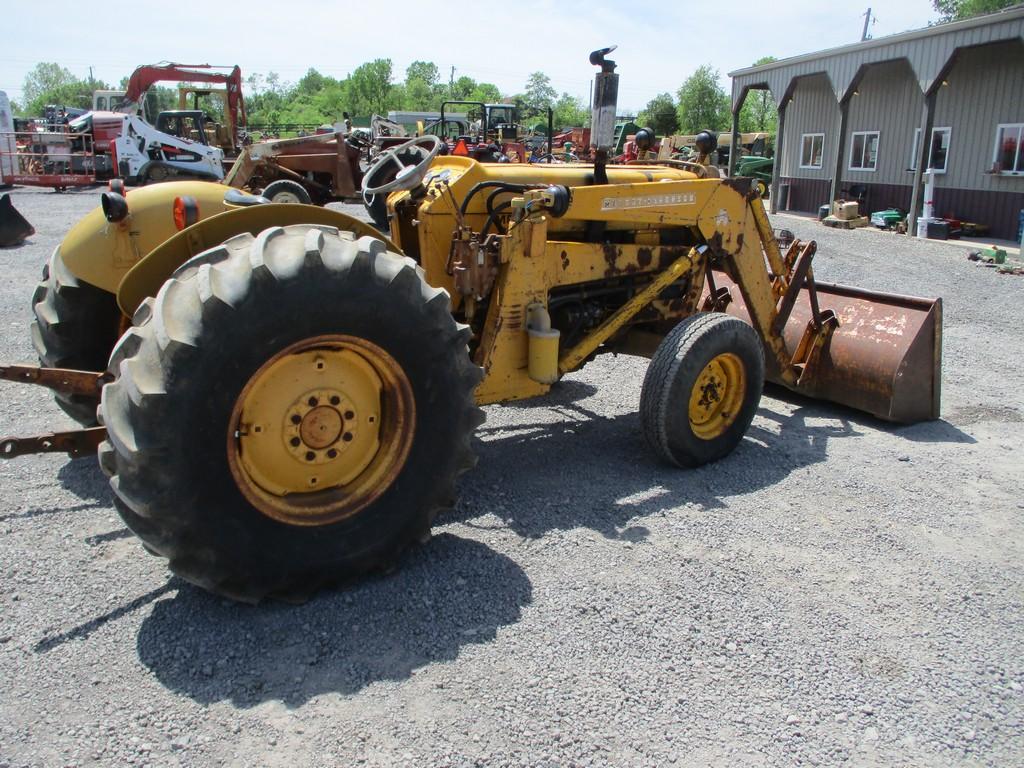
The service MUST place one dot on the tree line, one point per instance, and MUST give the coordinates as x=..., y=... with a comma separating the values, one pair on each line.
x=701, y=103
x=317, y=98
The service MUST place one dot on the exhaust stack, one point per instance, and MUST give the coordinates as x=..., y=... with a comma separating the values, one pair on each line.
x=606, y=96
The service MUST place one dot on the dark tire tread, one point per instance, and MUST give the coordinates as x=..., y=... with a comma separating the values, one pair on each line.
x=173, y=328
x=75, y=327
x=677, y=358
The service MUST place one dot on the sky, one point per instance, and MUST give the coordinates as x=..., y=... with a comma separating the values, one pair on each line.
x=501, y=44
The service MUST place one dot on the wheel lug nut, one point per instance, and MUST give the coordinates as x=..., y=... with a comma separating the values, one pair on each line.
x=313, y=402
x=310, y=456
x=295, y=442
x=349, y=415
x=332, y=454
x=347, y=437
x=335, y=399
x=296, y=419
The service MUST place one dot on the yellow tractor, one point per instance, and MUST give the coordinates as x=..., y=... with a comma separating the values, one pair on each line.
x=294, y=394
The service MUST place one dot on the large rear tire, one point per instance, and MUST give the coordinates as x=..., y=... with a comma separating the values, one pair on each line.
x=702, y=389
x=75, y=326
x=290, y=412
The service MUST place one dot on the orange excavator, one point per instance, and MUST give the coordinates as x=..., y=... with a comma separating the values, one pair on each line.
x=148, y=75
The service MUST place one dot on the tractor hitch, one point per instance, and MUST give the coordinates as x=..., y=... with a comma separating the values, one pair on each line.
x=63, y=380
x=75, y=443
x=78, y=442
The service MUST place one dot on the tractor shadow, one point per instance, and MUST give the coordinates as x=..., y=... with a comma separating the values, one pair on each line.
x=82, y=478
x=528, y=472
x=449, y=594
x=937, y=431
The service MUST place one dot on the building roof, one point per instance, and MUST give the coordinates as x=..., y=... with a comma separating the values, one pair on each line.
x=928, y=51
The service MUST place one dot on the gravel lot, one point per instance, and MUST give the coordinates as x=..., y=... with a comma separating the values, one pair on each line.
x=837, y=590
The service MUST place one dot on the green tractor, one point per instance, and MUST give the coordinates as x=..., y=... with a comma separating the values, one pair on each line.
x=759, y=169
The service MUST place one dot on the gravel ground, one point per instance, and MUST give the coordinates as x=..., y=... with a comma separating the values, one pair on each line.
x=837, y=590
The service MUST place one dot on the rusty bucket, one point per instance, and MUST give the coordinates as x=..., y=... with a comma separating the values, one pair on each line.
x=885, y=356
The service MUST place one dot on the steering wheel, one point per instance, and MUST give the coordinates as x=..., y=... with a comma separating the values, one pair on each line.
x=408, y=175
x=358, y=140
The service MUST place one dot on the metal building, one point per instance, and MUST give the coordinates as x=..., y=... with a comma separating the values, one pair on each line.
x=851, y=118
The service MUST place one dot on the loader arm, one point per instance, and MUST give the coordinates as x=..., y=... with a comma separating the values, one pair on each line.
x=557, y=237
x=732, y=222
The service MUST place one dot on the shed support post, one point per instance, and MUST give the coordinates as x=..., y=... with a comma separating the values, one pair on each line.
x=924, y=156
x=780, y=143
x=735, y=142
x=837, y=175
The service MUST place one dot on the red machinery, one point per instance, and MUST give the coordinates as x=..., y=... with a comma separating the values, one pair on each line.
x=148, y=74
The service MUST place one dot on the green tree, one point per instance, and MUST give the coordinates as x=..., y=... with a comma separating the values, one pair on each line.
x=462, y=88
x=310, y=83
x=660, y=114
x=424, y=71
x=953, y=10
x=570, y=112
x=703, y=103
x=50, y=83
x=488, y=93
x=539, y=91
x=369, y=87
x=758, y=112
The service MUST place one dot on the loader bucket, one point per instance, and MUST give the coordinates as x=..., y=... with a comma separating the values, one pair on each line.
x=884, y=358
x=13, y=226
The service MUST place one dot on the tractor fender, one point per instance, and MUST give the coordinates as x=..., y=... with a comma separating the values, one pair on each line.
x=148, y=275
x=101, y=253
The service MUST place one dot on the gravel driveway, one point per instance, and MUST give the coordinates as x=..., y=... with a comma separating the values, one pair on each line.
x=837, y=590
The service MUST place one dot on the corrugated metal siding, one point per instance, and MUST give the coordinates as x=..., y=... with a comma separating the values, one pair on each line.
x=928, y=50
x=986, y=88
x=878, y=197
x=805, y=195
x=813, y=110
x=890, y=102
x=999, y=210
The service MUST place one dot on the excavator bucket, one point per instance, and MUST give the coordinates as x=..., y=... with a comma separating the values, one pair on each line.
x=13, y=226
x=883, y=357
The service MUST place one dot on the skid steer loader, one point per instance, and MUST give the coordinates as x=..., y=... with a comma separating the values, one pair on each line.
x=294, y=396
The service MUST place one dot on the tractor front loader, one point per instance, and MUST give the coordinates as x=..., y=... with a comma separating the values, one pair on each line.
x=294, y=395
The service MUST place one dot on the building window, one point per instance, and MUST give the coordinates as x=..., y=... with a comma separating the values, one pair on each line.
x=864, y=151
x=810, y=154
x=939, y=152
x=1009, y=154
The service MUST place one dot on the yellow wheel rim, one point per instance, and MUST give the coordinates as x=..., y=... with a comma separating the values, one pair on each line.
x=321, y=430
x=717, y=396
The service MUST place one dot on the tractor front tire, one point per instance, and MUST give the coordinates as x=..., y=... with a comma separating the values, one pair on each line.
x=701, y=389
x=289, y=413
x=287, y=191
x=75, y=326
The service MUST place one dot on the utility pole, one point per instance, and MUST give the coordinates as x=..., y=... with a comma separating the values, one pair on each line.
x=867, y=20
